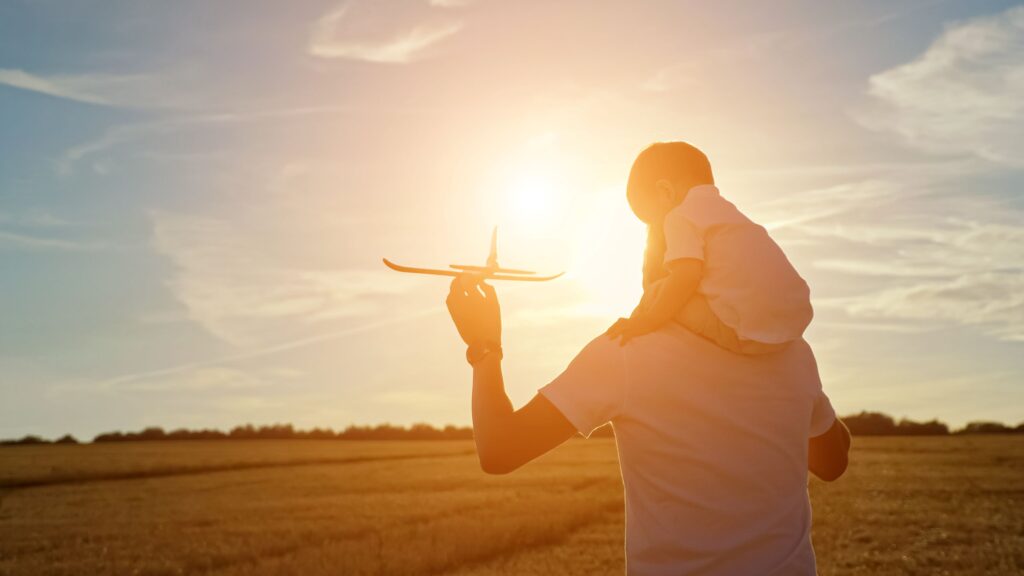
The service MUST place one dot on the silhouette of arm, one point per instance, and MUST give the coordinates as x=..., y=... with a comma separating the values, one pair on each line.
x=828, y=454
x=506, y=438
x=662, y=301
x=676, y=289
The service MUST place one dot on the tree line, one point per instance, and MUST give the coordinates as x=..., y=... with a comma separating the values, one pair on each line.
x=271, y=432
x=879, y=424
x=861, y=424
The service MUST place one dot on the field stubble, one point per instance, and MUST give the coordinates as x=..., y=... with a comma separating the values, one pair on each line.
x=906, y=506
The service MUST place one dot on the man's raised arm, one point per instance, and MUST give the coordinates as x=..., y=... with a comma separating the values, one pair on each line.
x=505, y=438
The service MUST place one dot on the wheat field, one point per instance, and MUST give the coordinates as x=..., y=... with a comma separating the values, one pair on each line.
x=949, y=505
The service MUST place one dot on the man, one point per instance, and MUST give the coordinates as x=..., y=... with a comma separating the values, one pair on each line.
x=714, y=446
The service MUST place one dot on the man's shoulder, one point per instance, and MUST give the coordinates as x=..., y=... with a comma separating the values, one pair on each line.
x=673, y=348
x=601, y=352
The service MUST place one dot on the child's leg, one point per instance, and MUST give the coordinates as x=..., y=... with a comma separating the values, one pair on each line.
x=753, y=347
x=698, y=317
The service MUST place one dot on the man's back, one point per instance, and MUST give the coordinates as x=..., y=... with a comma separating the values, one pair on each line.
x=712, y=445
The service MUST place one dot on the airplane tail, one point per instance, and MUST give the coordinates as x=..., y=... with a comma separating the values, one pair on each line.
x=492, y=258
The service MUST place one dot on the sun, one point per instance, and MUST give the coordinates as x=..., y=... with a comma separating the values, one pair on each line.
x=532, y=201
x=555, y=219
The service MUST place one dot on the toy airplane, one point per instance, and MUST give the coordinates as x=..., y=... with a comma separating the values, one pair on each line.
x=490, y=271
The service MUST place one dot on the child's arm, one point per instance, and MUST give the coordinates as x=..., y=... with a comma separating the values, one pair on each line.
x=665, y=300
x=675, y=290
x=616, y=329
x=647, y=300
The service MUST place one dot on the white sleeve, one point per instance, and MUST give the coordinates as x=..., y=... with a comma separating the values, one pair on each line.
x=682, y=238
x=591, y=391
x=822, y=415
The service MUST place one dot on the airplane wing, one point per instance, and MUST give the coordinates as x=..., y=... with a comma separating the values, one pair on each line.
x=470, y=268
x=411, y=270
x=488, y=276
x=525, y=278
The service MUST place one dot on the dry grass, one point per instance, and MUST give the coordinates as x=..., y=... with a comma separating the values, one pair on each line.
x=924, y=506
x=907, y=506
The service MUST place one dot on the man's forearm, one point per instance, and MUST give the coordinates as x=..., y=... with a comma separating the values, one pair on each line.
x=491, y=407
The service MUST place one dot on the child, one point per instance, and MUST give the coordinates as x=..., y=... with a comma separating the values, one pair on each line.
x=707, y=266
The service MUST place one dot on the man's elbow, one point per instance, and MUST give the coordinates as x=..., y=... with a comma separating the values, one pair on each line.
x=833, y=472
x=495, y=464
x=829, y=454
x=497, y=455
x=833, y=469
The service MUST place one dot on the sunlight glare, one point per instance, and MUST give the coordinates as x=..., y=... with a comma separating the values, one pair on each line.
x=555, y=215
x=532, y=201
x=608, y=254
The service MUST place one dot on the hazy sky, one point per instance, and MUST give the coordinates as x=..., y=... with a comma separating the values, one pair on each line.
x=195, y=196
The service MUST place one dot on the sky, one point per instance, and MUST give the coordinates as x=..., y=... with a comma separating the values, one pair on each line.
x=195, y=197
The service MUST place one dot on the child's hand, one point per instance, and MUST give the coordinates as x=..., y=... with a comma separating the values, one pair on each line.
x=616, y=329
x=629, y=328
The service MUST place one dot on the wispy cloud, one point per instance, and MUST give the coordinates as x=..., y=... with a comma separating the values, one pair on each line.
x=450, y=3
x=964, y=95
x=880, y=268
x=35, y=219
x=72, y=87
x=382, y=33
x=119, y=135
x=818, y=204
x=203, y=367
x=416, y=399
x=908, y=247
x=989, y=299
x=914, y=262
x=32, y=242
x=689, y=73
x=896, y=328
x=232, y=288
x=198, y=379
x=42, y=231
x=118, y=90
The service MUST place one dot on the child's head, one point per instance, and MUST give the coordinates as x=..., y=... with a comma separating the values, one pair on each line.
x=661, y=176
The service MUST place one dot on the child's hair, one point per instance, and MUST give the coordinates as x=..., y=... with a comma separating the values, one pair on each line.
x=682, y=164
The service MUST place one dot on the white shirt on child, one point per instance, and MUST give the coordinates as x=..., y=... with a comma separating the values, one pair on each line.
x=712, y=447
x=748, y=281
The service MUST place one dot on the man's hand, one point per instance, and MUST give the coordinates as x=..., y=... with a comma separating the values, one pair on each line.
x=474, y=309
x=505, y=438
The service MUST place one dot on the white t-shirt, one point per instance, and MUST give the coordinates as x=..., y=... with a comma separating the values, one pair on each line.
x=748, y=281
x=712, y=447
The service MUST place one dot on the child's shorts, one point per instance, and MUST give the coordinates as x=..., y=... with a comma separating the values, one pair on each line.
x=698, y=317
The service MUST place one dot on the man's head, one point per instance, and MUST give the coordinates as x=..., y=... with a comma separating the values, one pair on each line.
x=661, y=176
